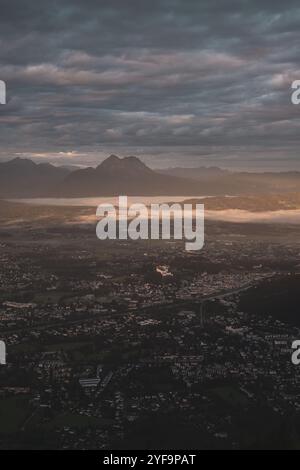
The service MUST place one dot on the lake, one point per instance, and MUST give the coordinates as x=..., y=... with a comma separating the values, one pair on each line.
x=228, y=215
x=95, y=201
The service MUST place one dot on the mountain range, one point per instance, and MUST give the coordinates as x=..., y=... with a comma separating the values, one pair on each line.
x=22, y=178
x=130, y=176
x=238, y=183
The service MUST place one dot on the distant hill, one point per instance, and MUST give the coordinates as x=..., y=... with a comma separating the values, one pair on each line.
x=115, y=176
x=24, y=178
x=200, y=173
x=21, y=178
x=239, y=183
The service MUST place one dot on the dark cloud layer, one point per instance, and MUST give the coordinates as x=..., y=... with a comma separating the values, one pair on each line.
x=179, y=82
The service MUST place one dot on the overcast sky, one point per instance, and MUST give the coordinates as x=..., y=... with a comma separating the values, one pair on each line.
x=176, y=82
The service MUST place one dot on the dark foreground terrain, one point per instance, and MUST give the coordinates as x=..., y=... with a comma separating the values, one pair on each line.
x=143, y=345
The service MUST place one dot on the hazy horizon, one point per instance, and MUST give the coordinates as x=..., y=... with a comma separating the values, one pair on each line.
x=208, y=165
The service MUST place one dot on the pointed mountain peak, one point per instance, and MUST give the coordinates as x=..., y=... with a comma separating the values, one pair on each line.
x=113, y=158
x=116, y=164
x=110, y=162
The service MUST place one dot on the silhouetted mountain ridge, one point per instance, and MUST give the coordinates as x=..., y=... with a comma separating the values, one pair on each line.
x=114, y=165
x=21, y=178
x=129, y=175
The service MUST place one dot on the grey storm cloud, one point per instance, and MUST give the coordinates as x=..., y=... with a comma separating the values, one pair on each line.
x=177, y=82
